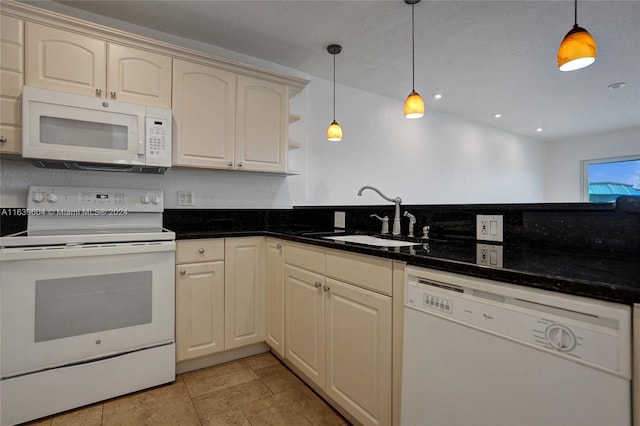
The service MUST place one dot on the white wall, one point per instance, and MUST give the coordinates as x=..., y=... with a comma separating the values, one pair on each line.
x=436, y=159
x=563, y=181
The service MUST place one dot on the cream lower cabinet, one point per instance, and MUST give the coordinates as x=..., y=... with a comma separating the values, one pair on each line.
x=199, y=298
x=219, y=295
x=244, y=292
x=339, y=334
x=274, y=295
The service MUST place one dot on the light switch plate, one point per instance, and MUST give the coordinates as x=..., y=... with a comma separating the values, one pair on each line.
x=489, y=255
x=339, y=220
x=489, y=227
x=185, y=198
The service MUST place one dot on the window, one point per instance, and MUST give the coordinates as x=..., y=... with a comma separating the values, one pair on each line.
x=605, y=180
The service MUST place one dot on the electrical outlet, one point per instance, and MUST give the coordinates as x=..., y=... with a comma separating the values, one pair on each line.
x=489, y=255
x=489, y=227
x=339, y=219
x=185, y=198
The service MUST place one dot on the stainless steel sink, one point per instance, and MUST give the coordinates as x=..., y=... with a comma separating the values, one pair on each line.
x=370, y=240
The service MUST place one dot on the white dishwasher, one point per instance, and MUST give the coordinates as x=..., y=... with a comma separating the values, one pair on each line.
x=482, y=353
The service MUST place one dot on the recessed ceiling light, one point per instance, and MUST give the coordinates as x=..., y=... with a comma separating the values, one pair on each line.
x=438, y=95
x=497, y=115
x=539, y=129
x=618, y=85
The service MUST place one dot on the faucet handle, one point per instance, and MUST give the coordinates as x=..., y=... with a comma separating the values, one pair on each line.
x=425, y=232
x=385, y=223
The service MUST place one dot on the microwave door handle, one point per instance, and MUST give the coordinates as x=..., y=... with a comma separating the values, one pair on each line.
x=142, y=129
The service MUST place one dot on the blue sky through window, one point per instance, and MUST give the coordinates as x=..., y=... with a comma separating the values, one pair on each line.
x=618, y=172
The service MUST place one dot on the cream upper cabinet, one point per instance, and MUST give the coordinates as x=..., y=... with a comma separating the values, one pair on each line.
x=228, y=121
x=274, y=295
x=139, y=76
x=204, y=105
x=11, y=81
x=244, y=291
x=77, y=63
x=262, y=118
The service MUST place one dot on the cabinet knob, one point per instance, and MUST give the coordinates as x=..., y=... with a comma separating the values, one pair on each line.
x=3, y=139
x=201, y=251
x=240, y=164
x=98, y=92
x=182, y=272
x=230, y=163
x=317, y=284
x=278, y=246
x=113, y=95
x=326, y=288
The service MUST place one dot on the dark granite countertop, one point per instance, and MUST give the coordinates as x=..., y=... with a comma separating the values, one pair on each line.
x=582, y=273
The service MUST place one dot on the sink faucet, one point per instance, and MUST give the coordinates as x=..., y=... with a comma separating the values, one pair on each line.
x=397, y=201
x=412, y=221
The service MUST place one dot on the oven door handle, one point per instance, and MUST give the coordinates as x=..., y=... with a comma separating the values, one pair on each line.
x=84, y=250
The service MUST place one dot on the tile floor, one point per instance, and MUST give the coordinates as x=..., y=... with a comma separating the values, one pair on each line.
x=258, y=390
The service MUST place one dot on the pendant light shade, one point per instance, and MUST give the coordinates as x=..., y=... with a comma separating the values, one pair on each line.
x=334, y=132
x=578, y=48
x=414, y=105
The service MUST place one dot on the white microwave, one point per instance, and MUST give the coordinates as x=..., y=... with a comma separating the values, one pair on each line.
x=63, y=130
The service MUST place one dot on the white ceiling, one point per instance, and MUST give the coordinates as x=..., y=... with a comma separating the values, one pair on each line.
x=485, y=56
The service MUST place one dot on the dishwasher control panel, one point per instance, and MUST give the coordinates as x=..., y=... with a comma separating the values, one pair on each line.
x=574, y=335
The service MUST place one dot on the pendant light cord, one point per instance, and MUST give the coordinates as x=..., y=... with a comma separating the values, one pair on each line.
x=334, y=87
x=413, y=51
x=575, y=13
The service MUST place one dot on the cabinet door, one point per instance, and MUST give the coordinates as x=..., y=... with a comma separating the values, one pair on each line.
x=11, y=80
x=244, y=291
x=358, y=351
x=204, y=104
x=138, y=76
x=199, y=309
x=304, y=316
x=274, y=331
x=262, y=120
x=66, y=61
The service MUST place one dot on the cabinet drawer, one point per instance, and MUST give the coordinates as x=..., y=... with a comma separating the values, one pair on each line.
x=10, y=111
x=368, y=272
x=13, y=145
x=11, y=30
x=201, y=250
x=304, y=256
x=11, y=56
x=10, y=83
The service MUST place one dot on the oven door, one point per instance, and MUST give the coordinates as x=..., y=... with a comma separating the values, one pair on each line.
x=70, y=304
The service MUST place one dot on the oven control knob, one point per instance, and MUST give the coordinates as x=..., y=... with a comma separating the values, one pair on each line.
x=145, y=199
x=37, y=197
x=52, y=198
x=155, y=199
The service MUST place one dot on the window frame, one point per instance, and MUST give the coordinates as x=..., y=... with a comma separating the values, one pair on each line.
x=584, y=178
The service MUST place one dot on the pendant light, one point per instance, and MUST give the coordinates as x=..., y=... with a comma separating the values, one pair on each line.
x=578, y=48
x=414, y=105
x=334, y=132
